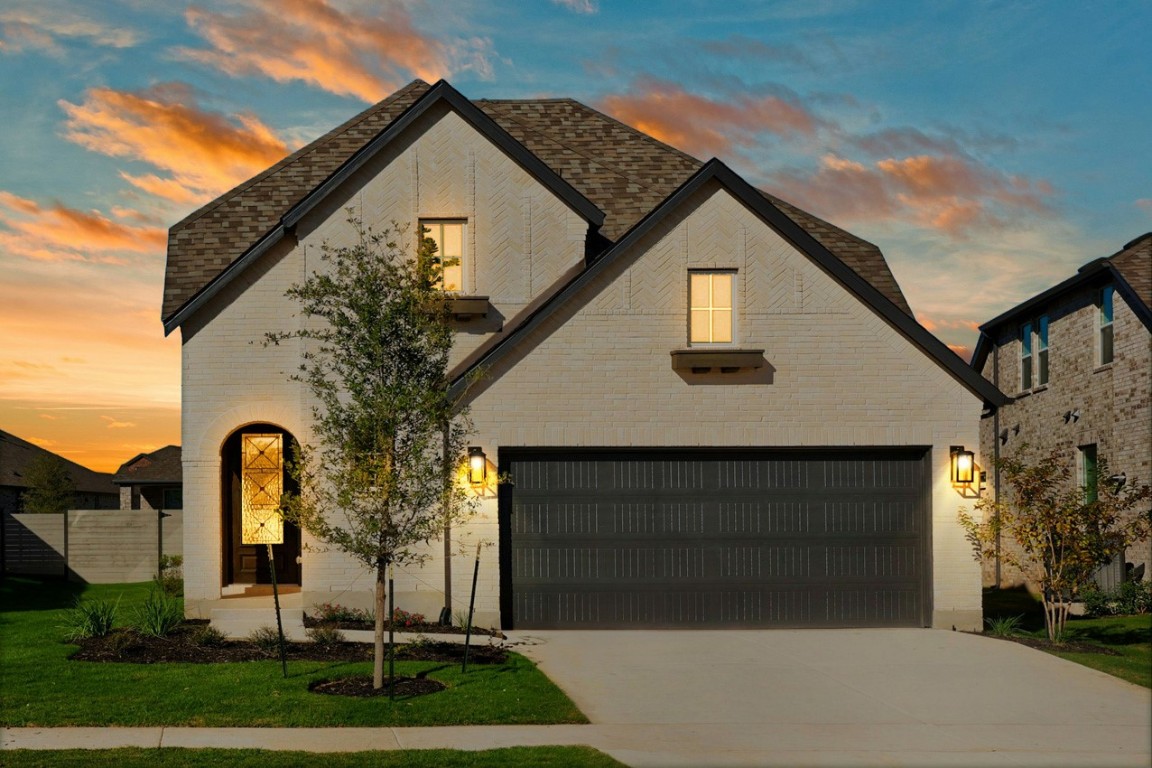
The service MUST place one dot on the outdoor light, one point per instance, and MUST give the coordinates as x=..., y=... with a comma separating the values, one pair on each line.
x=477, y=466
x=1118, y=480
x=963, y=466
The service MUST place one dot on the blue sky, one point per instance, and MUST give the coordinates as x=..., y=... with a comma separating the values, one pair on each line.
x=989, y=148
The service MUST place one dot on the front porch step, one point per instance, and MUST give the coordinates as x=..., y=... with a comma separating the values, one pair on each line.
x=239, y=623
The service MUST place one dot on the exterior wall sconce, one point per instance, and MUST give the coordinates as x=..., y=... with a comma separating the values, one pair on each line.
x=1118, y=480
x=477, y=466
x=963, y=466
x=1072, y=416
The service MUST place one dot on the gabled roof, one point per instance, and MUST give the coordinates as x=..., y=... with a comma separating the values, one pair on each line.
x=16, y=456
x=595, y=162
x=1129, y=270
x=520, y=327
x=160, y=466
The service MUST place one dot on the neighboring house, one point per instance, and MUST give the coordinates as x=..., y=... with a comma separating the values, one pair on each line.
x=714, y=409
x=1077, y=361
x=94, y=490
x=152, y=480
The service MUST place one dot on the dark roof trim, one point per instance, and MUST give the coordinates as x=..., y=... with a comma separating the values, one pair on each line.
x=1096, y=272
x=442, y=91
x=439, y=92
x=262, y=246
x=789, y=230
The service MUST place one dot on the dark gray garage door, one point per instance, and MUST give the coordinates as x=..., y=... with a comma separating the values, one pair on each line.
x=683, y=539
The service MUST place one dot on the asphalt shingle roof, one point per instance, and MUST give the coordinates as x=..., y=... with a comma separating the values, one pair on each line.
x=17, y=457
x=625, y=172
x=160, y=466
x=1134, y=262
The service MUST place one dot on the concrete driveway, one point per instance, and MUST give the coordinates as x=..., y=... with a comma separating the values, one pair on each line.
x=841, y=697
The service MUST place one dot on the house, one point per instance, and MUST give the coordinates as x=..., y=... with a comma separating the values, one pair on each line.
x=94, y=490
x=1076, y=360
x=713, y=408
x=152, y=480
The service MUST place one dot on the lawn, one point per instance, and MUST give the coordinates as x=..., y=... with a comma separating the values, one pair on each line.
x=1128, y=636
x=546, y=757
x=39, y=686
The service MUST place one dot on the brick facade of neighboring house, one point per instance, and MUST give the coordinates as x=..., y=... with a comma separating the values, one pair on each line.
x=152, y=481
x=1087, y=403
x=794, y=472
x=94, y=490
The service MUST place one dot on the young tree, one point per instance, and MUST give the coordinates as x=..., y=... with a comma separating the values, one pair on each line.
x=50, y=486
x=1063, y=532
x=387, y=431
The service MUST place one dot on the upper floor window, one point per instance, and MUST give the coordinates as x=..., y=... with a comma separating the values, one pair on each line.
x=1089, y=472
x=1034, y=353
x=1106, y=297
x=448, y=234
x=1026, y=356
x=711, y=298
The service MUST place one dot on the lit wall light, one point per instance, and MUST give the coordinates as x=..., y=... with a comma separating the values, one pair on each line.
x=963, y=466
x=477, y=466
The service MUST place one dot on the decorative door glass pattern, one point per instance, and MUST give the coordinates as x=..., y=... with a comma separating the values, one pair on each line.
x=263, y=482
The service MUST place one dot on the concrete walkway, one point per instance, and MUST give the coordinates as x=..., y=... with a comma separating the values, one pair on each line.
x=779, y=698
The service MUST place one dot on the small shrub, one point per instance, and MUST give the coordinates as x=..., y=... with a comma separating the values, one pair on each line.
x=90, y=618
x=1131, y=597
x=460, y=619
x=402, y=618
x=159, y=614
x=208, y=636
x=120, y=641
x=1004, y=626
x=171, y=576
x=266, y=639
x=334, y=613
x=325, y=634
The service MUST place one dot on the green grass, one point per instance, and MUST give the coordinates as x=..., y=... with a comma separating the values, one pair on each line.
x=39, y=686
x=554, y=757
x=1129, y=636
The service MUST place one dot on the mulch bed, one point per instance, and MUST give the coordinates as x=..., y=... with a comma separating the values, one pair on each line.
x=1068, y=646
x=361, y=686
x=182, y=647
x=420, y=629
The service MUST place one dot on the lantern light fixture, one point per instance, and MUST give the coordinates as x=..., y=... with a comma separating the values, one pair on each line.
x=963, y=466
x=477, y=466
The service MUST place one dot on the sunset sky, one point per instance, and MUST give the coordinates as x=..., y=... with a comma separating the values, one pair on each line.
x=989, y=148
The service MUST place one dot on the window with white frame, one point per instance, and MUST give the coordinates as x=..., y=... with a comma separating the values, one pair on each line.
x=449, y=236
x=1105, y=346
x=711, y=302
x=1042, y=351
x=1026, y=356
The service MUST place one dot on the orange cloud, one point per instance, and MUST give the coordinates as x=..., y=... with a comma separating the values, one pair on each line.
x=205, y=153
x=56, y=233
x=117, y=424
x=948, y=193
x=343, y=52
x=703, y=126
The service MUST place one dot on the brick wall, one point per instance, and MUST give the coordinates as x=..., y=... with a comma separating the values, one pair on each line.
x=1114, y=400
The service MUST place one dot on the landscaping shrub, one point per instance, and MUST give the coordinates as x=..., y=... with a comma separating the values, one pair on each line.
x=159, y=614
x=1004, y=626
x=90, y=618
x=1130, y=598
x=325, y=634
x=171, y=576
x=209, y=637
x=402, y=618
x=267, y=639
x=334, y=613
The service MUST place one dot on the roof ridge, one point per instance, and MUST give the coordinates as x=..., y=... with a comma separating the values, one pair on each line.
x=292, y=157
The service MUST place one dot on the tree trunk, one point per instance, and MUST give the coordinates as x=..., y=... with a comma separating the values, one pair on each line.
x=381, y=612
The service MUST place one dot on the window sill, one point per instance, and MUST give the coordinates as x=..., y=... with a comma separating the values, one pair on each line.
x=1103, y=367
x=721, y=360
x=468, y=307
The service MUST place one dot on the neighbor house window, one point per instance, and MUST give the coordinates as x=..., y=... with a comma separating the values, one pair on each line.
x=1042, y=351
x=1026, y=356
x=448, y=234
x=711, y=298
x=1106, y=297
x=1089, y=473
x=173, y=498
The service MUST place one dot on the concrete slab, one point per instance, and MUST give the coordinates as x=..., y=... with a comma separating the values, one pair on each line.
x=79, y=738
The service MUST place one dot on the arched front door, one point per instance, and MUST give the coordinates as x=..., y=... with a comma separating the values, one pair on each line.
x=253, y=459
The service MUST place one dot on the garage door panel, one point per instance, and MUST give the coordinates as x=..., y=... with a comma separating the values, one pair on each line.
x=781, y=539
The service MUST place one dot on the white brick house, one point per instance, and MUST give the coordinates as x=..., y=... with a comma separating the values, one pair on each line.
x=715, y=408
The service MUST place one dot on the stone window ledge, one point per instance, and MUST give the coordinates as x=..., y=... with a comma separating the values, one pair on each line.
x=468, y=307
x=721, y=360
